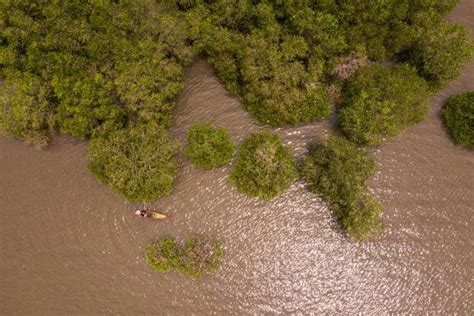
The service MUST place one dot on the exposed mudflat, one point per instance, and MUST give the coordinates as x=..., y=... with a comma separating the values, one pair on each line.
x=68, y=246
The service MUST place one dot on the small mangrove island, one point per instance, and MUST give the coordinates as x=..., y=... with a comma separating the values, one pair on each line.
x=194, y=257
x=208, y=147
x=264, y=167
x=338, y=171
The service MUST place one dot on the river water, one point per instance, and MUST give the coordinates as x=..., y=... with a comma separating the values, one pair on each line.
x=68, y=246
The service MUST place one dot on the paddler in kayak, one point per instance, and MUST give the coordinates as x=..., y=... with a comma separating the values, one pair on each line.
x=149, y=214
x=141, y=213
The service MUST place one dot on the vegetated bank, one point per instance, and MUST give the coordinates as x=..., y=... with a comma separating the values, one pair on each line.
x=105, y=71
x=283, y=57
x=108, y=71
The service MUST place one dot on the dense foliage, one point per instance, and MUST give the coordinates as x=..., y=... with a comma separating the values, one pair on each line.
x=208, y=147
x=459, y=117
x=380, y=102
x=264, y=167
x=138, y=163
x=279, y=56
x=25, y=111
x=338, y=172
x=195, y=257
x=441, y=52
x=92, y=65
x=95, y=69
x=101, y=69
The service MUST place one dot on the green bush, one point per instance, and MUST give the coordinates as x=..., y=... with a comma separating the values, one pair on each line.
x=278, y=89
x=86, y=105
x=360, y=217
x=264, y=167
x=199, y=257
x=162, y=256
x=195, y=258
x=208, y=147
x=441, y=53
x=25, y=111
x=459, y=117
x=384, y=28
x=137, y=163
x=148, y=81
x=381, y=102
x=96, y=70
x=338, y=172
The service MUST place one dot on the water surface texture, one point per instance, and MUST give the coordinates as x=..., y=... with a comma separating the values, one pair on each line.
x=69, y=247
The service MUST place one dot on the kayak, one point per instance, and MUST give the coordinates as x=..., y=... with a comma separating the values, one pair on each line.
x=150, y=215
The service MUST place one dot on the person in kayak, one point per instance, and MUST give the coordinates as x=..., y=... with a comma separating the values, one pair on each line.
x=141, y=213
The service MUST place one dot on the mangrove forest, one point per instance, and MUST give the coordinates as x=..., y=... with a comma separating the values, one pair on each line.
x=109, y=72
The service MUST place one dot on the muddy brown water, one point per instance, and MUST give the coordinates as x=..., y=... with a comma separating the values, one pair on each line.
x=68, y=246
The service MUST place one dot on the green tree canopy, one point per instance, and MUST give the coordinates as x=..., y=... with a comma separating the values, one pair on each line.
x=208, y=147
x=441, y=53
x=195, y=257
x=264, y=167
x=459, y=117
x=92, y=69
x=338, y=171
x=102, y=63
x=138, y=163
x=25, y=111
x=380, y=102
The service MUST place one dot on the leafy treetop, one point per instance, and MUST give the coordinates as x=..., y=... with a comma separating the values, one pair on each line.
x=208, y=147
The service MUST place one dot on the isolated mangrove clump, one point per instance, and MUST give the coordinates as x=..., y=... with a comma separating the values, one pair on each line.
x=138, y=163
x=459, y=118
x=264, y=167
x=380, y=102
x=209, y=147
x=338, y=171
x=195, y=257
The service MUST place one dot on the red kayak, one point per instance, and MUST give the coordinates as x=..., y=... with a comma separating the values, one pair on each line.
x=150, y=215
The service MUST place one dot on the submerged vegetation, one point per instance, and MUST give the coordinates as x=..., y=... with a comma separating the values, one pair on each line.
x=459, y=117
x=338, y=171
x=209, y=147
x=264, y=167
x=110, y=72
x=195, y=257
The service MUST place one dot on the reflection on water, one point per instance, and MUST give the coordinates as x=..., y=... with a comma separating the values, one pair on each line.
x=68, y=245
